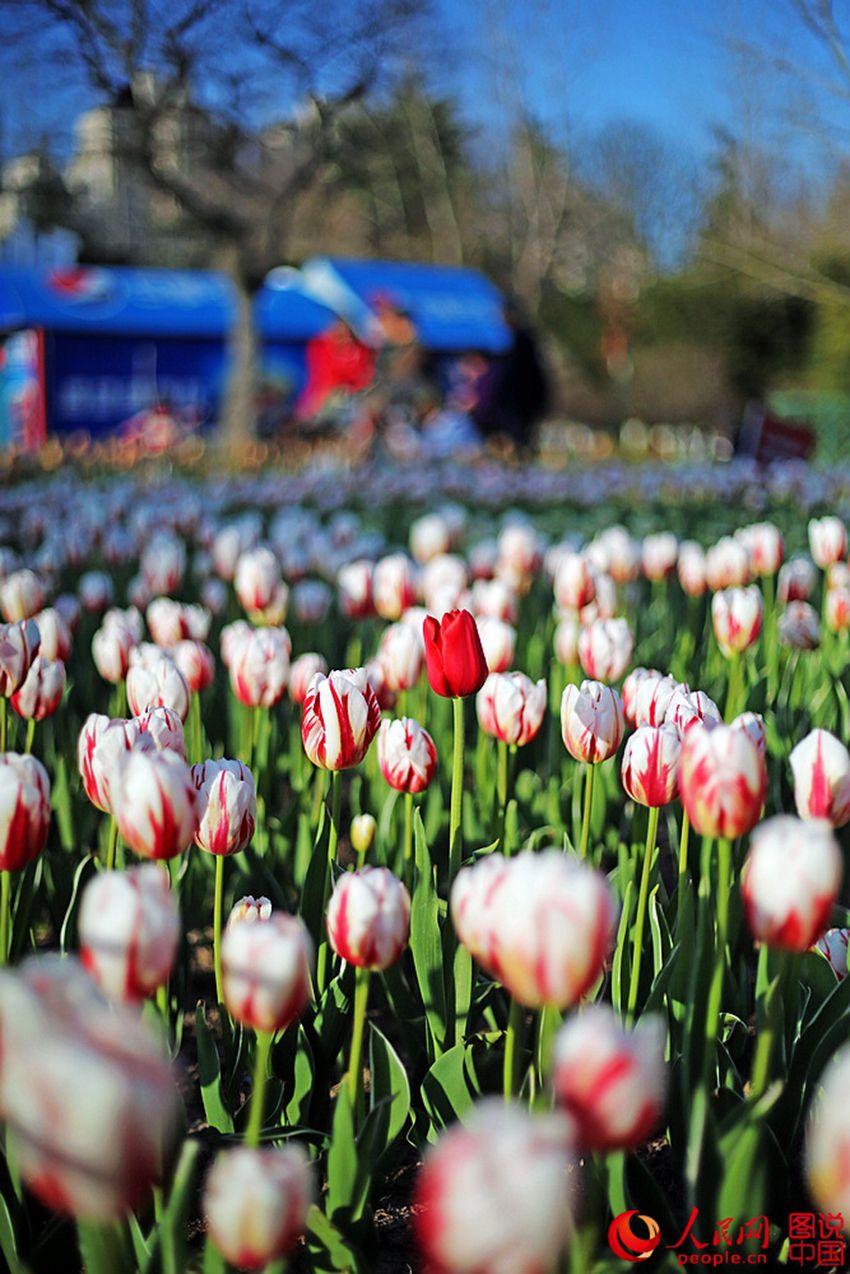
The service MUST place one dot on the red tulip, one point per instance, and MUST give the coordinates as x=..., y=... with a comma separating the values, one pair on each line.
x=454, y=655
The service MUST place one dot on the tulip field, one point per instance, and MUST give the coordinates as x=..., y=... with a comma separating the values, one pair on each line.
x=435, y=870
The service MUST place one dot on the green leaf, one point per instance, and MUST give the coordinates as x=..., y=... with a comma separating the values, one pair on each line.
x=622, y=953
x=8, y=1240
x=330, y=1251
x=390, y=1086
x=209, y=1072
x=349, y=1165
x=174, y=1222
x=68, y=932
x=449, y=1089
x=425, y=943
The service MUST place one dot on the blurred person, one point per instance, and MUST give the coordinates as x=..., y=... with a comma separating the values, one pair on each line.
x=338, y=364
x=514, y=394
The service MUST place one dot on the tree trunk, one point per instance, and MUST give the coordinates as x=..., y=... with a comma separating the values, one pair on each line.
x=238, y=417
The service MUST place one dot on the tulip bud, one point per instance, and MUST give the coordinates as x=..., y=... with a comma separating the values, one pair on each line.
x=574, y=583
x=54, y=633
x=651, y=764
x=543, y=925
x=156, y=683
x=232, y=637
x=727, y=565
x=498, y=641
x=790, y=882
x=401, y=656
x=260, y=666
x=631, y=685
x=393, y=586
x=249, y=910
x=165, y=621
x=227, y=806
x=162, y=727
x=765, y=545
x=24, y=810
x=96, y=592
x=302, y=673
x=42, y=690
x=95, y=763
x=605, y=649
x=796, y=581
x=722, y=780
x=111, y=648
x=19, y=645
x=129, y=926
x=736, y=614
x=691, y=568
x=799, y=626
x=686, y=707
x=21, y=596
x=154, y=802
x=85, y=1090
x=257, y=579
x=833, y=946
x=454, y=655
x=820, y=764
x=838, y=610
x=499, y=1153
x=196, y=662
x=827, y=541
x=827, y=1154
x=369, y=918
x=256, y=1203
x=511, y=707
x=652, y=697
x=363, y=829
x=340, y=719
x=592, y=723
x=566, y=639
x=266, y=971
x=659, y=553
x=354, y=582
x=406, y=754
x=611, y=1081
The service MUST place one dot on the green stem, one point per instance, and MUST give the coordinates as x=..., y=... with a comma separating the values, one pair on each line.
x=733, y=692
x=502, y=785
x=111, y=844
x=455, y=829
x=333, y=840
x=769, y=631
x=683, y=863
x=4, y=712
x=258, y=1092
x=355, y=1064
x=30, y=736
x=513, y=1050
x=779, y=1002
x=408, y=840
x=5, y=916
x=643, y=900
x=589, y=776
x=195, y=729
x=217, y=909
x=715, y=992
x=318, y=797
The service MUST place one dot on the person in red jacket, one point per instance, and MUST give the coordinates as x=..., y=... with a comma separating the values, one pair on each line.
x=337, y=362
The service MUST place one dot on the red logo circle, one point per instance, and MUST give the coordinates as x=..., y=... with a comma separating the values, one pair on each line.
x=628, y=1245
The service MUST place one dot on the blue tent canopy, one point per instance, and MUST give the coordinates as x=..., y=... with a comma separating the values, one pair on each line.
x=452, y=308
x=161, y=303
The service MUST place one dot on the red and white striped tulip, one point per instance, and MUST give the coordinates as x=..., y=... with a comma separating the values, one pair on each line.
x=722, y=780
x=55, y=635
x=575, y=582
x=393, y=586
x=495, y=1193
x=766, y=548
x=652, y=697
x=691, y=568
x=752, y=724
x=154, y=802
x=837, y=614
x=19, y=645
x=227, y=806
x=24, y=810
x=790, y=882
x=611, y=1081
x=799, y=626
x=95, y=762
x=21, y=596
x=256, y=1203
x=727, y=564
x=368, y=918
x=232, y=637
x=266, y=971
x=156, y=683
x=163, y=563
x=498, y=641
x=686, y=707
x=162, y=726
x=827, y=1153
x=302, y=672
x=257, y=579
x=820, y=764
x=566, y=637
x=834, y=946
x=406, y=754
x=797, y=579
x=430, y=536
x=592, y=723
x=354, y=584
x=259, y=667
x=827, y=541
x=401, y=655
x=196, y=662
x=631, y=685
x=42, y=690
x=650, y=766
x=605, y=649
x=544, y=928
x=129, y=927
x=111, y=648
x=658, y=554
x=495, y=598
x=736, y=615
x=249, y=910
x=340, y=718
x=511, y=707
